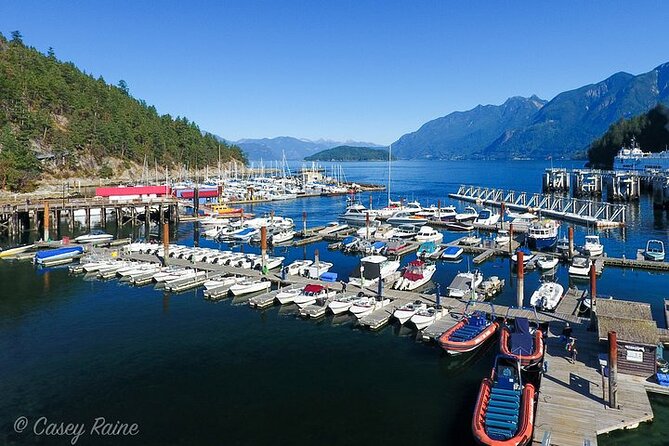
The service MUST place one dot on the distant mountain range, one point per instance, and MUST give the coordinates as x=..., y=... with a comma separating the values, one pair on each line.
x=350, y=153
x=294, y=148
x=531, y=127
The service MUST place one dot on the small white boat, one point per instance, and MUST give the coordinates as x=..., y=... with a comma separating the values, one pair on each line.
x=527, y=256
x=416, y=274
x=221, y=282
x=316, y=269
x=406, y=311
x=366, y=306
x=429, y=234
x=385, y=232
x=470, y=240
x=342, y=304
x=406, y=217
x=502, y=237
x=15, y=250
x=366, y=231
x=311, y=293
x=243, y=235
x=547, y=296
x=424, y=318
x=371, y=269
x=280, y=237
x=332, y=228
x=593, y=246
x=654, y=251
x=298, y=267
x=249, y=286
x=580, y=267
x=465, y=283
x=406, y=232
x=547, y=262
x=95, y=235
x=288, y=296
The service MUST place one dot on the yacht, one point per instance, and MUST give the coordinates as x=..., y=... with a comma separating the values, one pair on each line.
x=429, y=234
x=283, y=236
x=332, y=228
x=593, y=246
x=547, y=296
x=468, y=215
x=95, y=235
x=287, y=296
x=406, y=231
x=406, y=217
x=543, y=234
x=385, y=232
x=373, y=268
x=654, y=251
x=486, y=217
x=521, y=221
x=357, y=214
x=396, y=245
x=633, y=158
x=416, y=274
x=547, y=262
x=298, y=267
x=316, y=269
x=503, y=238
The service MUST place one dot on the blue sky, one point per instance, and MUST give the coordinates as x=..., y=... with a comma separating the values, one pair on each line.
x=364, y=70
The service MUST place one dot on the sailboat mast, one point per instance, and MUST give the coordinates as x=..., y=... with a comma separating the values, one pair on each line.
x=390, y=152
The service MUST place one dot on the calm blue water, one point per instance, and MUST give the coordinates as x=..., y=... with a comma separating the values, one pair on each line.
x=189, y=371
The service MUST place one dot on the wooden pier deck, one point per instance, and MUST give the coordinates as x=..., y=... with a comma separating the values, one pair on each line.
x=572, y=408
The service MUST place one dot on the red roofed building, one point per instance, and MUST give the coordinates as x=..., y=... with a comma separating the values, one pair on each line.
x=128, y=193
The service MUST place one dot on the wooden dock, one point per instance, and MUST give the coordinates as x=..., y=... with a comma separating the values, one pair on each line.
x=572, y=407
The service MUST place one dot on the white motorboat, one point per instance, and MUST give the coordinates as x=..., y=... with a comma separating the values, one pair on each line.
x=311, y=293
x=357, y=214
x=452, y=253
x=406, y=232
x=502, y=237
x=470, y=240
x=527, y=256
x=580, y=267
x=288, y=296
x=654, y=251
x=429, y=234
x=95, y=235
x=15, y=250
x=406, y=311
x=385, y=231
x=342, y=304
x=249, y=286
x=547, y=262
x=271, y=263
x=332, y=228
x=367, y=231
x=367, y=305
x=464, y=284
x=593, y=247
x=468, y=215
x=316, y=269
x=424, y=318
x=406, y=217
x=547, y=296
x=542, y=234
x=486, y=217
x=521, y=221
x=416, y=274
x=371, y=269
x=298, y=267
x=282, y=236
x=222, y=281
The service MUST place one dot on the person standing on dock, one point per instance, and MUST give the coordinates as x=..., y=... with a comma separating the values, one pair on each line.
x=343, y=286
x=566, y=333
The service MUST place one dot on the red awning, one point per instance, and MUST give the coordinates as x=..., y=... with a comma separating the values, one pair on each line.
x=313, y=288
x=132, y=190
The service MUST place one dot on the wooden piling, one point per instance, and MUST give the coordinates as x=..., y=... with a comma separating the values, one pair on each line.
x=521, y=279
x=46, y=221
x=263, y=247
x=510, y=238
x=613, y=369
x=166, y=243
x=571, y=241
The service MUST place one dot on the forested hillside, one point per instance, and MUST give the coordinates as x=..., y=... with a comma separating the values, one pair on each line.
x=50, y=110
x=651, y=131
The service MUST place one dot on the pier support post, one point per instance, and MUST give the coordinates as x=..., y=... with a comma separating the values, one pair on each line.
x=613, y=370
x=571, y=241
x=437, y=295
x=88, y=218
x=502, y=208
x=439, y=209
x=263, y=248
x=520, y=297
x=304, y=224
x=367, y=223
x=46, y=221
x=166, y=243
x=379, y=290
x=593, y=295
x=510, y=239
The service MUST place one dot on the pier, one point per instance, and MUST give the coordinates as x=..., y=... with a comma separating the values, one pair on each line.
x=582, y=212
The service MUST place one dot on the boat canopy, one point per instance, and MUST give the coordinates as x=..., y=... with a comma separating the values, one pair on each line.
x=521, y=338
x=313, y=288
x=452, y=250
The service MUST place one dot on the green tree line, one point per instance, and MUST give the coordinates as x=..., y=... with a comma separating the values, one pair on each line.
x=650, y=129
x=53, y=109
